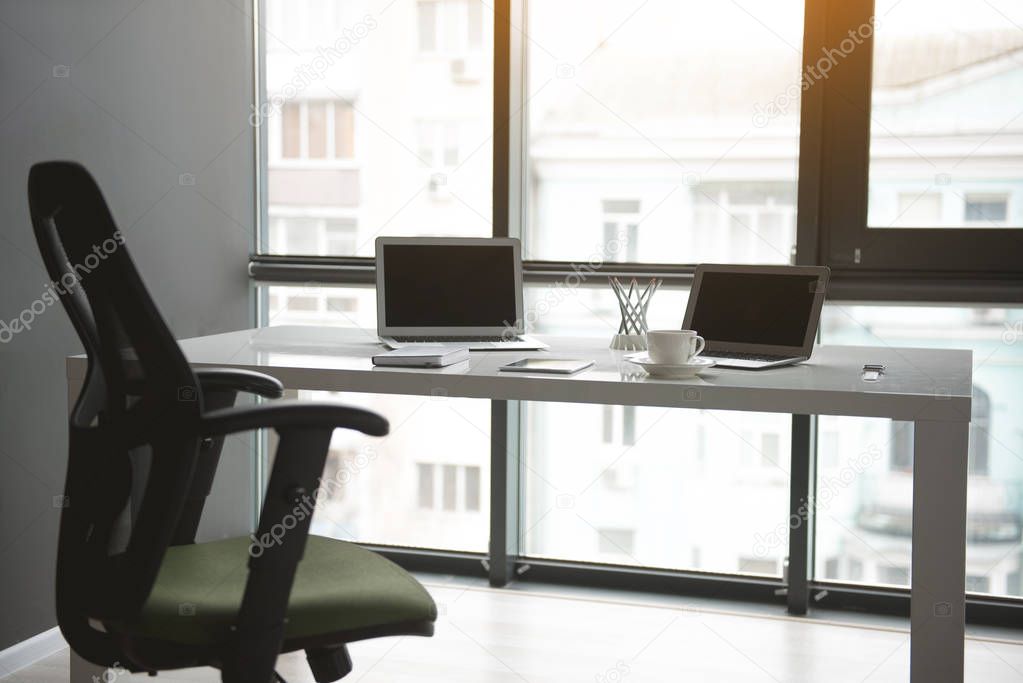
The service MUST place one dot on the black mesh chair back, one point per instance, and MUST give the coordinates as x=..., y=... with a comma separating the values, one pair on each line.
x=144, y=438
x=139, y=393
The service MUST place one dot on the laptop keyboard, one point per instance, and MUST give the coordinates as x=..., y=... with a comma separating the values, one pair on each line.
x=747, y=356
x=437, y=340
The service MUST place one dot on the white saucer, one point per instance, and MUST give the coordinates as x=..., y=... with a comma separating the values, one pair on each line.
x=667, y=370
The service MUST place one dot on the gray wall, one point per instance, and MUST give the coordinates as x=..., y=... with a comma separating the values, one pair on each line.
x=152, y=90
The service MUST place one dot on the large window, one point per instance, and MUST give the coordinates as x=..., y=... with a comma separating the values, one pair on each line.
x=638, y=137
x=683, y=112
x=379, y=113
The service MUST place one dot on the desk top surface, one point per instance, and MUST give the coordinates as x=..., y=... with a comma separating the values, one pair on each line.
x=928, y=384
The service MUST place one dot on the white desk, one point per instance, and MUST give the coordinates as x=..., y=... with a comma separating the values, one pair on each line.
x=932, y=388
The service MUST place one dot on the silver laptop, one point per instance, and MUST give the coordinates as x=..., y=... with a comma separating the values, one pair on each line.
x=756, y=317
x=454, y=290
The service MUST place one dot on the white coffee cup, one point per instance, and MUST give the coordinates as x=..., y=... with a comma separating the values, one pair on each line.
x=674, y=347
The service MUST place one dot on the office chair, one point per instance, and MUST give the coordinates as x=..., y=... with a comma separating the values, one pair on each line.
x=161, y=601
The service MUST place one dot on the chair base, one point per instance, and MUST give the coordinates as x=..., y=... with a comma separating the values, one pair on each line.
x=329, y=664
x=155, y=655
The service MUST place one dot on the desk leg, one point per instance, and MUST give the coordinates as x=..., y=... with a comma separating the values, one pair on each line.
x=802, y=484
x=938, y=599
x=505, y=469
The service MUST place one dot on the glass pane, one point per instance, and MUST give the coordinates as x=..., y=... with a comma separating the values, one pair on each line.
x=637, y=491
x=584, y=305
x=864, y=486
x=298, y=235
x=947, y=82
x=346, y=306
x=421, y=485
x=402, y=489
x=356, y=74
x=635, y=487
x=341, y=236
x=686, y=110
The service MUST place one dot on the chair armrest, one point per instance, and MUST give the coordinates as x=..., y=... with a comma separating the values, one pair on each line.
x=227, y=381
x=232, y=379
x=277, y=546
x=292, y=415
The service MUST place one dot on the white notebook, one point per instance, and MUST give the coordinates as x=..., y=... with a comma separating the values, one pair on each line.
x=423, y=356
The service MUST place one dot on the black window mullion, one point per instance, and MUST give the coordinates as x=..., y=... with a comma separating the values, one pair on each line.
x=845, y=133
x=502, y=118
x=811, y=143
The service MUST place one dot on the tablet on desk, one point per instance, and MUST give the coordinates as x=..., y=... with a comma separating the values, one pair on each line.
x=554, y=366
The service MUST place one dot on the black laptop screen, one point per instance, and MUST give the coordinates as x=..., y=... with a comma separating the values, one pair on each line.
x=754, y=308
x=431, y=285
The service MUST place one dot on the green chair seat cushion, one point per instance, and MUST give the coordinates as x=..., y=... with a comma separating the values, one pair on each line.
x=338, y=587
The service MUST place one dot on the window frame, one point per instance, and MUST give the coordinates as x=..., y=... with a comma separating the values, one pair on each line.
x=837, y=116
x=942, y=265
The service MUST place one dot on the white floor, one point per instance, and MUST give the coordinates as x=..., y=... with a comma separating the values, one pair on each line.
x=547, y=635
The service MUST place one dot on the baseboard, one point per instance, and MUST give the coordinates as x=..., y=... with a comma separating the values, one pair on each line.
x=30, y=651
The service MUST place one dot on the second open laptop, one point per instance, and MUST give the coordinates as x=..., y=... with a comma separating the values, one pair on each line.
x=756, y=317
x=451, y=290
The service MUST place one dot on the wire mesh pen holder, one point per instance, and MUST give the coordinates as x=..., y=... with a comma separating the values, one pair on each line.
x=632, y=303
